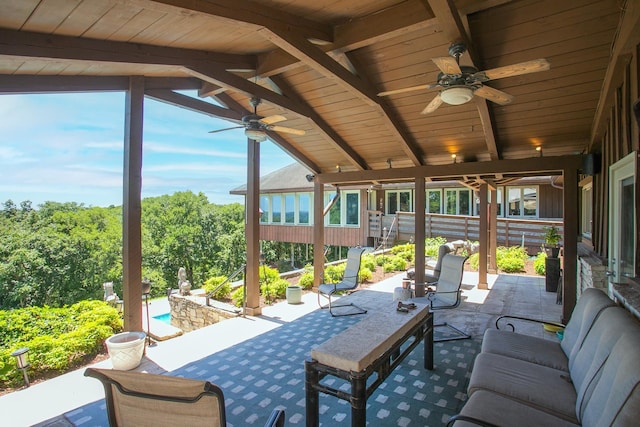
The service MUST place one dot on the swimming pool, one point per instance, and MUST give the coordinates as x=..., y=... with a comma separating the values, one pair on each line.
x=164, y=318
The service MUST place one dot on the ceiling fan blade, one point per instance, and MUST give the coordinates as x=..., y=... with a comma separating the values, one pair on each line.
x=433, y=105
x=222, y=130
x=514, y=70
x=273, y=119
x=287, y=130
x=447, y=65
x=407, y=89
x=495, y=95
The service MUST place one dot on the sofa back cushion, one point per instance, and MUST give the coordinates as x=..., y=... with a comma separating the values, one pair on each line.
x=615, y=400
x=596, y=348
x=590, y=304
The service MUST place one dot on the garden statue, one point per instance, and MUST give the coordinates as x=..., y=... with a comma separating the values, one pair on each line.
x=109, y=296
x=183, y=283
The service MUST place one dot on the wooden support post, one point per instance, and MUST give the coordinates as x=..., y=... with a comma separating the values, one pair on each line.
x=570, y=239
x=493, y=231
x=318, y=234
x=252, y=230
x=131, y=205
x=419, y=223
x=484, y=236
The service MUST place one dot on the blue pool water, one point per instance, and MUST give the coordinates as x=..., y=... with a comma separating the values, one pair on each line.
x=165, y=318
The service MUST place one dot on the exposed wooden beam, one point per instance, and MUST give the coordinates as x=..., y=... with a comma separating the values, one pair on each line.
x=337, y=141
x=49, y=46
x=255, y=13
x=393, y=122
x=184, y=101
x=223, y=78
x=15, y=83
x=532, y=165
x=454, y=31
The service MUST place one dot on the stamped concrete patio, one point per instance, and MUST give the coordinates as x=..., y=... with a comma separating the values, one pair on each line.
x=258, y=362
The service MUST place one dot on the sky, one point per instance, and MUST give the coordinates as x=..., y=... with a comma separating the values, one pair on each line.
x=69, y=148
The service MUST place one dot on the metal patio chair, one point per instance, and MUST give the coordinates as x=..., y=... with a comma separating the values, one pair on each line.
x=138, y=399
x=349, y=282
x=447, y=294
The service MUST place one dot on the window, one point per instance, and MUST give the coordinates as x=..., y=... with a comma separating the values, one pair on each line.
x=290, y=208
x=587, y=205
x=304, y=208
x=276, y=208
x=522, y=202
x=265, y=203
x=458, y=201
x=434, y=200
x=398, y=201
x=346, y=210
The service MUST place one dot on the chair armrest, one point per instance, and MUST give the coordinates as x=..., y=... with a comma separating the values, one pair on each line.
x=276, y=419
x=472, y=420
x=513, y=328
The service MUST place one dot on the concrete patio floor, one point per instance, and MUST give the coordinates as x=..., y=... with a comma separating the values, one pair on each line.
x=43, y=404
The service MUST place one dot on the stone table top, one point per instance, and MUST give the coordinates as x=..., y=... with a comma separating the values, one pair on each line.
x=360, y=345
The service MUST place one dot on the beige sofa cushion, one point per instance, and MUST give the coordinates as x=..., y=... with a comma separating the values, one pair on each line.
x=524, y=347
x=502, y=411
x=545, y=388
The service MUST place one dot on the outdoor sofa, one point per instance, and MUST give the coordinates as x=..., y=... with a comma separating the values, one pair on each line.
x=590, y=378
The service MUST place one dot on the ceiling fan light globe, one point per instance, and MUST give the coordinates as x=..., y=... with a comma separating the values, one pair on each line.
x=457, y=95
x=255, y=134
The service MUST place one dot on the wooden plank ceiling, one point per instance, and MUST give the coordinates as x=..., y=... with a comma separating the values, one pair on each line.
x=322, y=63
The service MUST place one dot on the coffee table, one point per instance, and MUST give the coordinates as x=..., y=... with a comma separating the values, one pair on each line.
x=375, y=345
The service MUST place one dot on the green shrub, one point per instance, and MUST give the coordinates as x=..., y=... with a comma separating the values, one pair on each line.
x=237, y=296
x=306, y=280
x=58, y=338
x=334, y=273
x=382, y=259
x=539, y=263
x=364, y=275
x=432, y=244
x=274, y=290
x=266, y=273
x=474, y=261
x=399, y=263
x=388, y=267
x=368, y=261
x=511, y=260
x=213, y=282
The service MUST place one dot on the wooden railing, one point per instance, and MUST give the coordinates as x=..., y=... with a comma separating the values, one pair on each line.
x=511, y=232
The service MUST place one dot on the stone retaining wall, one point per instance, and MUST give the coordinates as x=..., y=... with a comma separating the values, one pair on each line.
x=591, y=274
x=190, y=313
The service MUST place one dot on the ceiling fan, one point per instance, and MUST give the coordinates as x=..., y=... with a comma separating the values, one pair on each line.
x=256, y=127
x=460, y=82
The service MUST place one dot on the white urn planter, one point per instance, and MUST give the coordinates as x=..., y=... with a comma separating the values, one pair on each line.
x=126, y=350
x=294, y=294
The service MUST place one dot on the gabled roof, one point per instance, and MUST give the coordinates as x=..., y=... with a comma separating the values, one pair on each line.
x=289, y=178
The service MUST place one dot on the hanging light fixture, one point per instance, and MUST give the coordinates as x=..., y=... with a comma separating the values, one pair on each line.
x=257, y=135
x=457, y=95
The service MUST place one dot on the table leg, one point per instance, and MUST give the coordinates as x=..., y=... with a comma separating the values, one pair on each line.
x=428, y=344
x=358, y=399
x=312, y=406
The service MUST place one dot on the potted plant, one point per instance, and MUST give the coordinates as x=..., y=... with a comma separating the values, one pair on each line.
x=551, y=239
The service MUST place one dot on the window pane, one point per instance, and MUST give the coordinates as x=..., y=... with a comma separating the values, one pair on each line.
x=264, y=206
x=276, y=207
x=353, y=209
x=392, y=202
x=405, y=201
x=289, y=209
x=303, y=209
x=465, y=206
x=515, y=208
x=434, y=201
x=530, y=202
x=334, y=213
x=499, y=197
x=451, y=202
